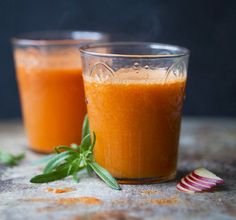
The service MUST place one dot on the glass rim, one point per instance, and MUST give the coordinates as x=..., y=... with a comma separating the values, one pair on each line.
x=85, y=49
x=61, y=37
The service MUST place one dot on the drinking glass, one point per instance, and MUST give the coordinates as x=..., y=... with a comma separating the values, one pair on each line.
x=134, y=94
x=49, y=76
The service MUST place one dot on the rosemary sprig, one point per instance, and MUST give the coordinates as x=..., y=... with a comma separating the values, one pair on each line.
x=68, y=161
x=10, y=159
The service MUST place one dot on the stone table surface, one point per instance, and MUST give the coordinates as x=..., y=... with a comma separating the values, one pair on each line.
x=205, y=142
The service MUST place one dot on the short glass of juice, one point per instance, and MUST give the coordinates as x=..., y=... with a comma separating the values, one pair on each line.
x=134, y=94
x=49, y=75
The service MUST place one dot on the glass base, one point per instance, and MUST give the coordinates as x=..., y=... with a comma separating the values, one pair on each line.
x=152, y=180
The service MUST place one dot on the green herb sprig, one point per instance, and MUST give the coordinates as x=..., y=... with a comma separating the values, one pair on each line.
x=68, y=161
x=9, y=159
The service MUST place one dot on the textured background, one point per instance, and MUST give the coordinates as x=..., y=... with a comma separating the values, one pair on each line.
x=204, y=142
x=206, y=27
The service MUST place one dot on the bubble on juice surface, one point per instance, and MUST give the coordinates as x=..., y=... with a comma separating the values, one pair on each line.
x=128, y=74
x=136, y=66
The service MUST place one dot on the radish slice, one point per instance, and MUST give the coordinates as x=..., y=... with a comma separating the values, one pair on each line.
x=181, y=189
x=205, y=174
x=188, y=186
x=199, y=180
x=196, y=184
x=210, y=184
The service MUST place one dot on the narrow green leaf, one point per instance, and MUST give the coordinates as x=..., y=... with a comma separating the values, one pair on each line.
x=93, y=142
x=71, y=160
x=50, y=177
x=19, y=157
x=76, y=166
x=85, y=143
x=56, y=150
x=89, y=170
x=75, y=176
x=56, y=160
x=69, y=170
x=6, y=158
x=85, y=129
x=75, y=146
x=64, y=148
x=82, y=161
x=10, y=159
x=105, y=175
x=88, y=155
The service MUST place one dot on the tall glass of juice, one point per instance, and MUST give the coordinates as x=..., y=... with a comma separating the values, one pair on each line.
x=49, y=76
x=134, y=94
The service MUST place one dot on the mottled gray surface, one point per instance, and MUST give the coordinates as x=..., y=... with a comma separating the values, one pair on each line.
x=209, y=143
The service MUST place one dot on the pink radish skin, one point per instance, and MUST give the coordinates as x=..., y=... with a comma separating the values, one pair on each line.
x=200, y=183
x=218, y=181
x=199, y=180
x=188, y=187
x=195, y=184
x=181, y=189
x=211, y=184
x=207, y=184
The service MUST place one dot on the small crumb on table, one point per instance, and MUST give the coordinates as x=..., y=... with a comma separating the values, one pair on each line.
x=83, y=200
x=60, y=190
x=164, y=201
x=150, y=192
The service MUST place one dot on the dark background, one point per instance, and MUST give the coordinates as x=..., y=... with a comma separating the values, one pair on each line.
x=207, y=28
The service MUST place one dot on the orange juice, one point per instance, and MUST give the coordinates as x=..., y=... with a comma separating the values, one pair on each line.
x=137, y=123
x=52, y=96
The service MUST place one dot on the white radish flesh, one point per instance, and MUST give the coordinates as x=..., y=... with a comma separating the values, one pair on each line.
x=210, y=184
x=205, y=174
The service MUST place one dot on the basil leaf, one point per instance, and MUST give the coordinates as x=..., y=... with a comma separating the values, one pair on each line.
x=105, y=175
x=85, y=129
